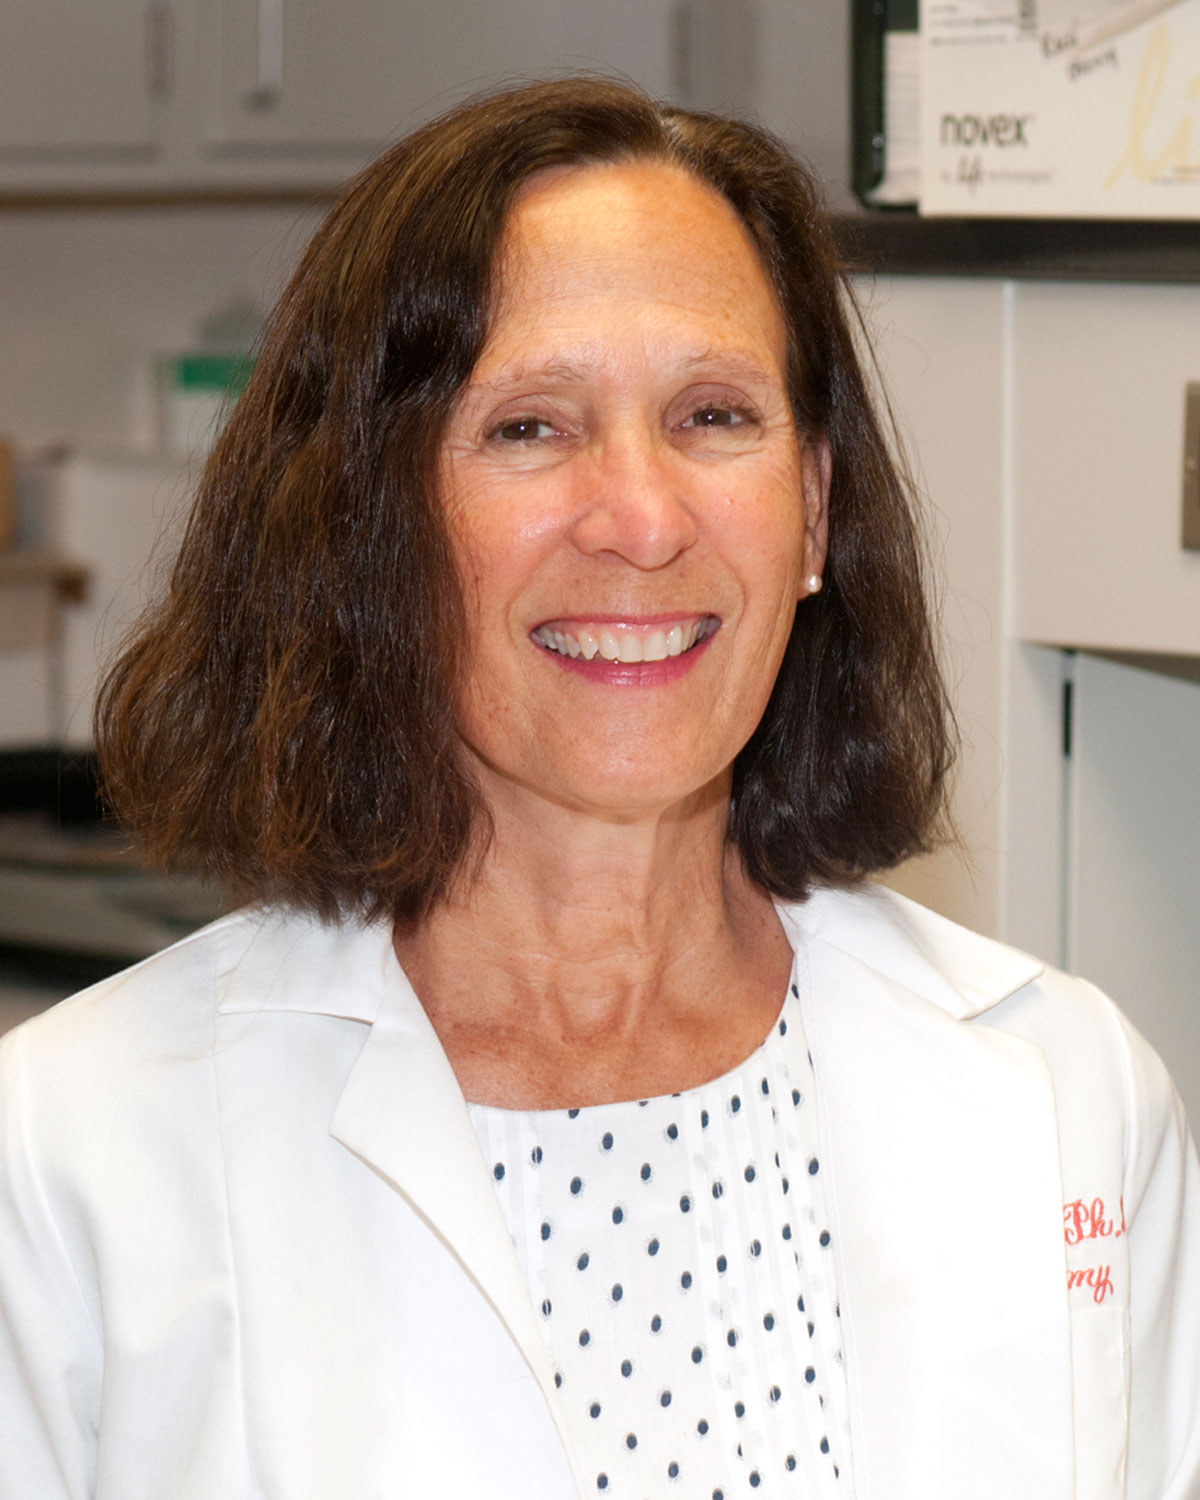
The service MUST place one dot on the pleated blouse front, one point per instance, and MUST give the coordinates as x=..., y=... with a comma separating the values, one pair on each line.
x=679, y=1252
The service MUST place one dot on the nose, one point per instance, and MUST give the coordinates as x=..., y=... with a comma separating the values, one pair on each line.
x=635, y=503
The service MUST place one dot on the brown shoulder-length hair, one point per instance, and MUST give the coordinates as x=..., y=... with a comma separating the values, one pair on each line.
x=284, y=718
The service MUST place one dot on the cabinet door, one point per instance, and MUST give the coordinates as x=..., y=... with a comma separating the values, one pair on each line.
x=290, y=76
x=1099, y=378
x=1133, y=853
x=81, y=81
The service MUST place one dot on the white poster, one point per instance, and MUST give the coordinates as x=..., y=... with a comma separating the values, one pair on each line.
x=1058, y=108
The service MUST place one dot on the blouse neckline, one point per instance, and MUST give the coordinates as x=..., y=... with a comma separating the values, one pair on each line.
x=694, y=1091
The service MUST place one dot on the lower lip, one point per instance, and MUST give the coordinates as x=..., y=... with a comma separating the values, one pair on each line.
x=631, y=673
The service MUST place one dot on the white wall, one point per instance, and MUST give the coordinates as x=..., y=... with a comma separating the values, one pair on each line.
x=938, y=341
x=92, y=296
x=947, y=352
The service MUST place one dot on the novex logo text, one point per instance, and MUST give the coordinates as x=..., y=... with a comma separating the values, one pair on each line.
x=984, y=130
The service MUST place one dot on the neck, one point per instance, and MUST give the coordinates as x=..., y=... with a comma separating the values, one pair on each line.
x=600, y=953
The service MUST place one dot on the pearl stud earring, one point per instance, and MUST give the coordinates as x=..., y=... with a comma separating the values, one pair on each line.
x=813, y=583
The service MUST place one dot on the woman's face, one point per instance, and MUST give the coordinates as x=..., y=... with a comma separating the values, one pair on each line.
x=632, y=509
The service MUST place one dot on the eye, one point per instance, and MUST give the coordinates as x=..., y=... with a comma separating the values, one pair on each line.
x=718, y=416
x=521, y=430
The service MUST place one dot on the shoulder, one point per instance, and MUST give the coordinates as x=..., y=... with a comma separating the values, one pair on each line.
x=145, y=1042
x=956, y=969
x=137, y=1052
x=162, y=1006
x=79, y=1081
x=1107, y=1078
x=1089, y=1044
x=117, y=1105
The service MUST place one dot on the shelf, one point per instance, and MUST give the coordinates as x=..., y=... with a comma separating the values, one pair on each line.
x=68, y=579
x=32, y=585
x=901, y=243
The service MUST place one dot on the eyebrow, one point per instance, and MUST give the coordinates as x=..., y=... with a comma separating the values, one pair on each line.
x=555, y=371
x=576, y=372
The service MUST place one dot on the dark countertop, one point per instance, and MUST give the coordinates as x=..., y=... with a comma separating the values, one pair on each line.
x=901, y=243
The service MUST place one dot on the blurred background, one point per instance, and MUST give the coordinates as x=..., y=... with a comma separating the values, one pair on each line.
x=163, y=162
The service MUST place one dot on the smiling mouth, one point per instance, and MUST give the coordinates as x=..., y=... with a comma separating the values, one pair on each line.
x=627, y=643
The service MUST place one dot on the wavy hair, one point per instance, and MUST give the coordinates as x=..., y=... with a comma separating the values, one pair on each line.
x=283, y=719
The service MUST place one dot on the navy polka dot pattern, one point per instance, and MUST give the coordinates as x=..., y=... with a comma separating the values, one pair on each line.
x=679, y=1253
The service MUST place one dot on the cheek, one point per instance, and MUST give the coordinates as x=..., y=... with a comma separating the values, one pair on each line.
x=478, y=553
x=498, y=534
x=768, y=540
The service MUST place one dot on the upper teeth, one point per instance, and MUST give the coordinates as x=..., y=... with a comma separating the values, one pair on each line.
x=626, y=645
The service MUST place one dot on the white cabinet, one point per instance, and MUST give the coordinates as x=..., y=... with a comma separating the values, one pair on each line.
x=307, y=77
x=1047, y=420
x=1133, y=853
x=231, y=96
x=117, y=518
x=168, y=96
x=1099, y=375
x=122, y=517
x=81, y=84
x=1048, y=424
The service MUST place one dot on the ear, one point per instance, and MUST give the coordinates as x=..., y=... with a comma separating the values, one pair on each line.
x=816, y=473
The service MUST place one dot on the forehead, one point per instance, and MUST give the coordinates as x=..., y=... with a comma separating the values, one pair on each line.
x=635, y=246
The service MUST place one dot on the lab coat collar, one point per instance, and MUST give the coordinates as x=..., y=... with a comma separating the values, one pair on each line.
x=275, y=959
x=280, y=960
x=959, y=971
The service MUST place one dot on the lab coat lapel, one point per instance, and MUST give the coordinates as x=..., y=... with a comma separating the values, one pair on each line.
x=401, y=1109
x=402, y=1113
x=942, y=1147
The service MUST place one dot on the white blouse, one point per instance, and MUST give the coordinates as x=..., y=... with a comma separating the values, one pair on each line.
x=677, y=1248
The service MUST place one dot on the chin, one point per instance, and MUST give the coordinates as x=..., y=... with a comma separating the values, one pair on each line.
x=640, y=795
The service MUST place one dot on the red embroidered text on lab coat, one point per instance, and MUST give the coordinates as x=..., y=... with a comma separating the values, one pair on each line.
x=1087, y=1221
x=1091, y=1221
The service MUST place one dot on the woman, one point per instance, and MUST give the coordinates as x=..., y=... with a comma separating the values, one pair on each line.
x=547, y=662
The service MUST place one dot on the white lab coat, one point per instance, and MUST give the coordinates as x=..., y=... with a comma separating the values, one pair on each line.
x=249, y=1247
